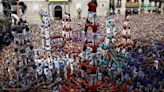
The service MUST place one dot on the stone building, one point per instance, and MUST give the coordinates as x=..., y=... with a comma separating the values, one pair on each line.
x=57, y=8
x=1, y=9
x=137, y=6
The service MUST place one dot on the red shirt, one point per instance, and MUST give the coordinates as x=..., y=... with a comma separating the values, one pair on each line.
x=115, y=87
x=83, y=66
x=129, y=82
x=82, y=83
x=74, y=88
x=93, y=69
x=162, y=44
x=98, y=83
x=88, y=24
x=63, y=89
x=125, y=36
x=135, y=90
x=79, y=73
x=92, y=6
x=66, y=29
x=94, y=48
x=124, y=87
x=84, y=47
x=68, y=73
x=94, y=27
x=92, y=88
x=108, y=56
x=125, y=27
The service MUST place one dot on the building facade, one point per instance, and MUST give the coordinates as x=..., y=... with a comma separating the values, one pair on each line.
x=137, y=6
x=57, y=8
x=1, y=9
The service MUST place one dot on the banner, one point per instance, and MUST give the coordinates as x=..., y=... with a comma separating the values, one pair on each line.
x=58, y=0
x=132, y=4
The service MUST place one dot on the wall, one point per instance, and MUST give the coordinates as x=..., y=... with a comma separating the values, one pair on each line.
x=78, y=4
x=1, y=9
x=33, y=8
x=102, y=9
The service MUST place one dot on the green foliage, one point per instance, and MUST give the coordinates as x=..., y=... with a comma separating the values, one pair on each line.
x=1, y=21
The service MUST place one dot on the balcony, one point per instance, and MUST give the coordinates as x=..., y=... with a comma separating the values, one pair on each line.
x=132, y=5
x=146, y=5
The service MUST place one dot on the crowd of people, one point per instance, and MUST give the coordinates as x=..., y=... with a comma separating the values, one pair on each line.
x=127, y=57
x=147, y=27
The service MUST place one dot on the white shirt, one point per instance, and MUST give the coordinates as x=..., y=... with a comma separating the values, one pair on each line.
x=99, y=76
x=128, y=41
x=56, y=64
x=24, y=31
x=71, y=60
x=13, y=33
x=90, y=17
x=123, y=32
x=45, y=71
x=156, y=64
x=49, y=59
x=66, y=55
x=126, y=23
x=140, y=50
x=108, y=30
x=47, y=34
x=123, y=51
x=39, y=71
x=123, y=40
x=118, y=49
x=114, y=29
x=50, y=66
x=114, y=33
x=107, y=41
x=128, y=31
x=134, y=72
x=42, y=62
x=126, y=76
x=113, y=40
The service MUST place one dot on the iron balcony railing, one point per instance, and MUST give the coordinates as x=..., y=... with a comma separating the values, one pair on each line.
x=132, y=5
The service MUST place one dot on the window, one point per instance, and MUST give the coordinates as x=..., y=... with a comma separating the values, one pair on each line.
x=119, y=12
x=102, y=5
x=119, y=3
x=142, y=0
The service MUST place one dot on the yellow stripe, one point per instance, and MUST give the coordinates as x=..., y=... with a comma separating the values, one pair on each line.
x=58, y=0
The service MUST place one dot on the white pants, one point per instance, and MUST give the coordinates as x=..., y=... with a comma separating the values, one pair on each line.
x=63, y=33
x=99, y=76
x=94, y=38
x=83, y=73
x=93, y=78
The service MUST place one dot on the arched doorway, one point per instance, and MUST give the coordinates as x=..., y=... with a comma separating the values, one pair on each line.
x=58, y=12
